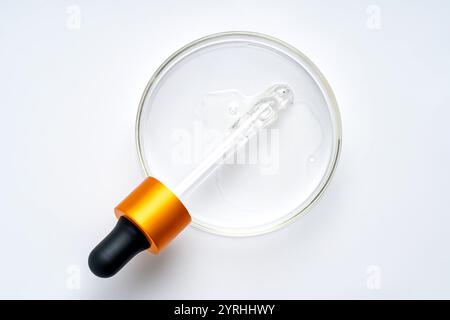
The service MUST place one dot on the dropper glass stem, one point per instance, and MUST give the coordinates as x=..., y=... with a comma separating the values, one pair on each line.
x=263, y=112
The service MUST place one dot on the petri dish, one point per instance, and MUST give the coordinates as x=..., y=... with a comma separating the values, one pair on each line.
x=200, y=91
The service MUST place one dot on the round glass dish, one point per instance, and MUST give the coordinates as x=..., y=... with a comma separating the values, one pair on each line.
x=200, y=91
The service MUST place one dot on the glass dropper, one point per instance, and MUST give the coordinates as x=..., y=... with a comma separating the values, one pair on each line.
x=152, y=215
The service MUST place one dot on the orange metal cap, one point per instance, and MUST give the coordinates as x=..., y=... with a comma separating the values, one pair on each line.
x=156, y=211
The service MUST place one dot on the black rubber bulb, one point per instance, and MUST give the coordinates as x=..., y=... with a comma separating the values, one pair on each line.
x=119, y=246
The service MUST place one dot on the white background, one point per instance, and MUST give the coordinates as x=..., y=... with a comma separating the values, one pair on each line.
x=72, y=74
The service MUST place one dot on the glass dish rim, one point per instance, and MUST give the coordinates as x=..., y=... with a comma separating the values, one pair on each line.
x=331, y=101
